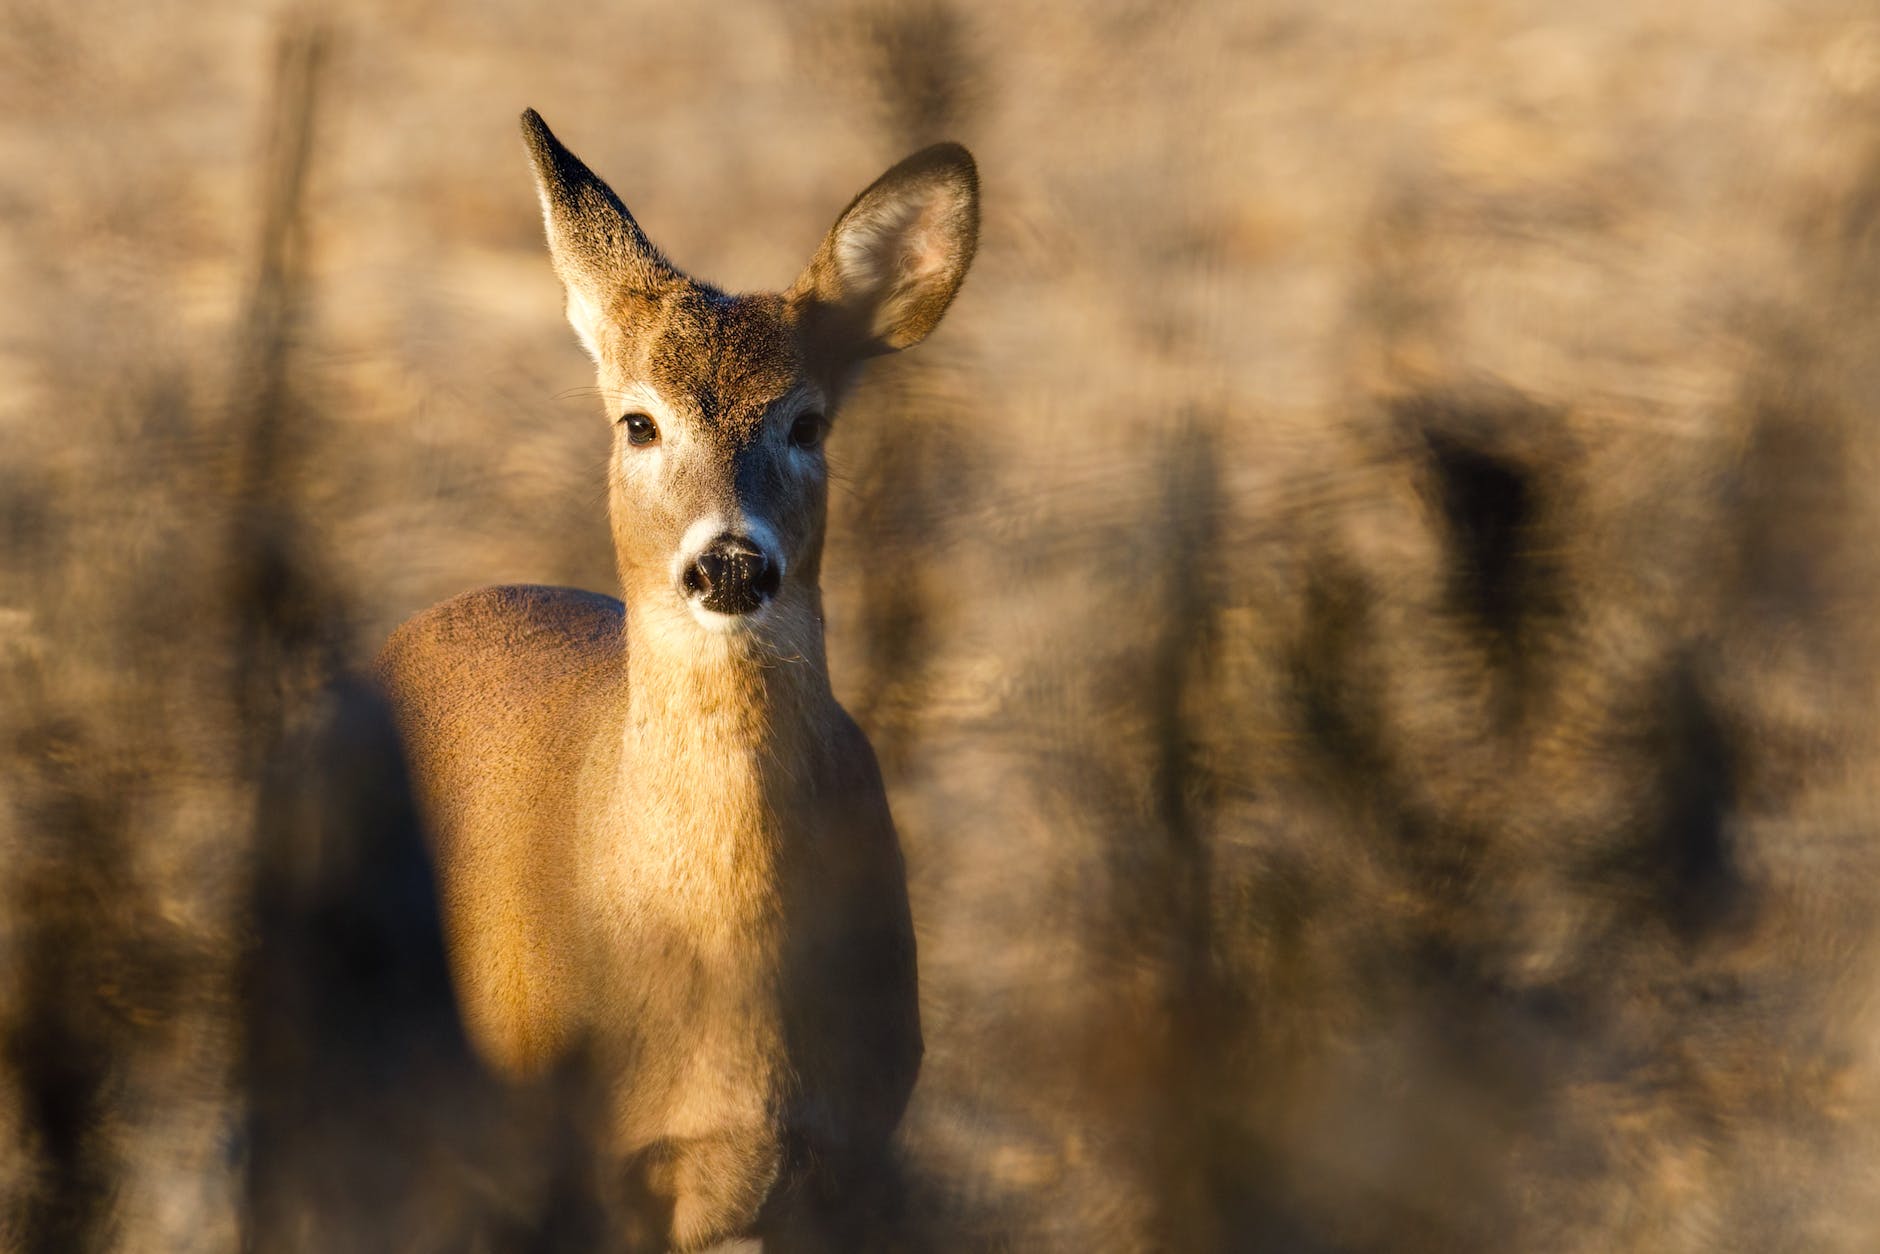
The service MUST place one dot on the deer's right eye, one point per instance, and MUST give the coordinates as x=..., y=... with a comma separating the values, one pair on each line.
x=640, y=429
x=807, y=430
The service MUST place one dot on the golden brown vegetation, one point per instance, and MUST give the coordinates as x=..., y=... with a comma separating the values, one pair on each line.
x=1367, y=607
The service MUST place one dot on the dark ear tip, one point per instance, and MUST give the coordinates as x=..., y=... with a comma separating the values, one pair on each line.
x=537, y=136
x=946, y=158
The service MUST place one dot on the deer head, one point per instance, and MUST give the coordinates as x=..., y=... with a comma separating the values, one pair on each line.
x=721, y=403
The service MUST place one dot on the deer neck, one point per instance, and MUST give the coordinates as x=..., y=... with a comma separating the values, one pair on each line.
x=721, y=741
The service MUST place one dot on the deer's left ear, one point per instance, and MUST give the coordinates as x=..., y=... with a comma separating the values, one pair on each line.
x=894, y=259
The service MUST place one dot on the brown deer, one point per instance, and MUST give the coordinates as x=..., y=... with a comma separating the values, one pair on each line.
x=660, y=841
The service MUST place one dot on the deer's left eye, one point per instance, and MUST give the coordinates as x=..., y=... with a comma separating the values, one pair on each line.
x=640, y=429
x=807, y=430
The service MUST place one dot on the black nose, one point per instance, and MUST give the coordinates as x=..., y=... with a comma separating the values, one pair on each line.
x=732, y=576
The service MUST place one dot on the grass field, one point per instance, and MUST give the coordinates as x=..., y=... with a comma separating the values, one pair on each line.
x=1367, y=605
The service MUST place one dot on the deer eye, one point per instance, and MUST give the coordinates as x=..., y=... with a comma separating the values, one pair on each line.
x=807, y=430
x=640, y=429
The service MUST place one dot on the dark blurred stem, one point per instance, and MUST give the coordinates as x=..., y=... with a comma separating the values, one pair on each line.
x=263, y=583
x=1181, y=665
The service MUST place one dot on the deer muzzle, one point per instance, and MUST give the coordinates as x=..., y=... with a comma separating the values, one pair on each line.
x=732, y=575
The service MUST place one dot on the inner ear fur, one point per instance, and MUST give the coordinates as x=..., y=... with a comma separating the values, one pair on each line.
x=895, y=258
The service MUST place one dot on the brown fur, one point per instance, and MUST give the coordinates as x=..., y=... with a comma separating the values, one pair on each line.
x=668, y=845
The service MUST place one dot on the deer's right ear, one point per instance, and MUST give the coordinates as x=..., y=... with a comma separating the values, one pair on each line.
x=895, y=258
x=598, y=249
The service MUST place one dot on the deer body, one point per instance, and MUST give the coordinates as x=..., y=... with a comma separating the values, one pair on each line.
x=659, y=838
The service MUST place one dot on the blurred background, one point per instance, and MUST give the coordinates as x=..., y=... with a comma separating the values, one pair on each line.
x=1367, y=606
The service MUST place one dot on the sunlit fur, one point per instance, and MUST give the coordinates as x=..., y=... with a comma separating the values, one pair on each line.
x=659, y=838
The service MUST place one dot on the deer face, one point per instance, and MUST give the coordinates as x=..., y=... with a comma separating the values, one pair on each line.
x=721, y=403
x=718, y=480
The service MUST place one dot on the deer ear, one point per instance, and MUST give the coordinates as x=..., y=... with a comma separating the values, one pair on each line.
x=598, y=249
x=894, y=259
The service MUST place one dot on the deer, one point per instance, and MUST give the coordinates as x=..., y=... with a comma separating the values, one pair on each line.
x=661, y=845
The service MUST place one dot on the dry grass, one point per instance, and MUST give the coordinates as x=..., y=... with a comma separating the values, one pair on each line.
x=1367, y=606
